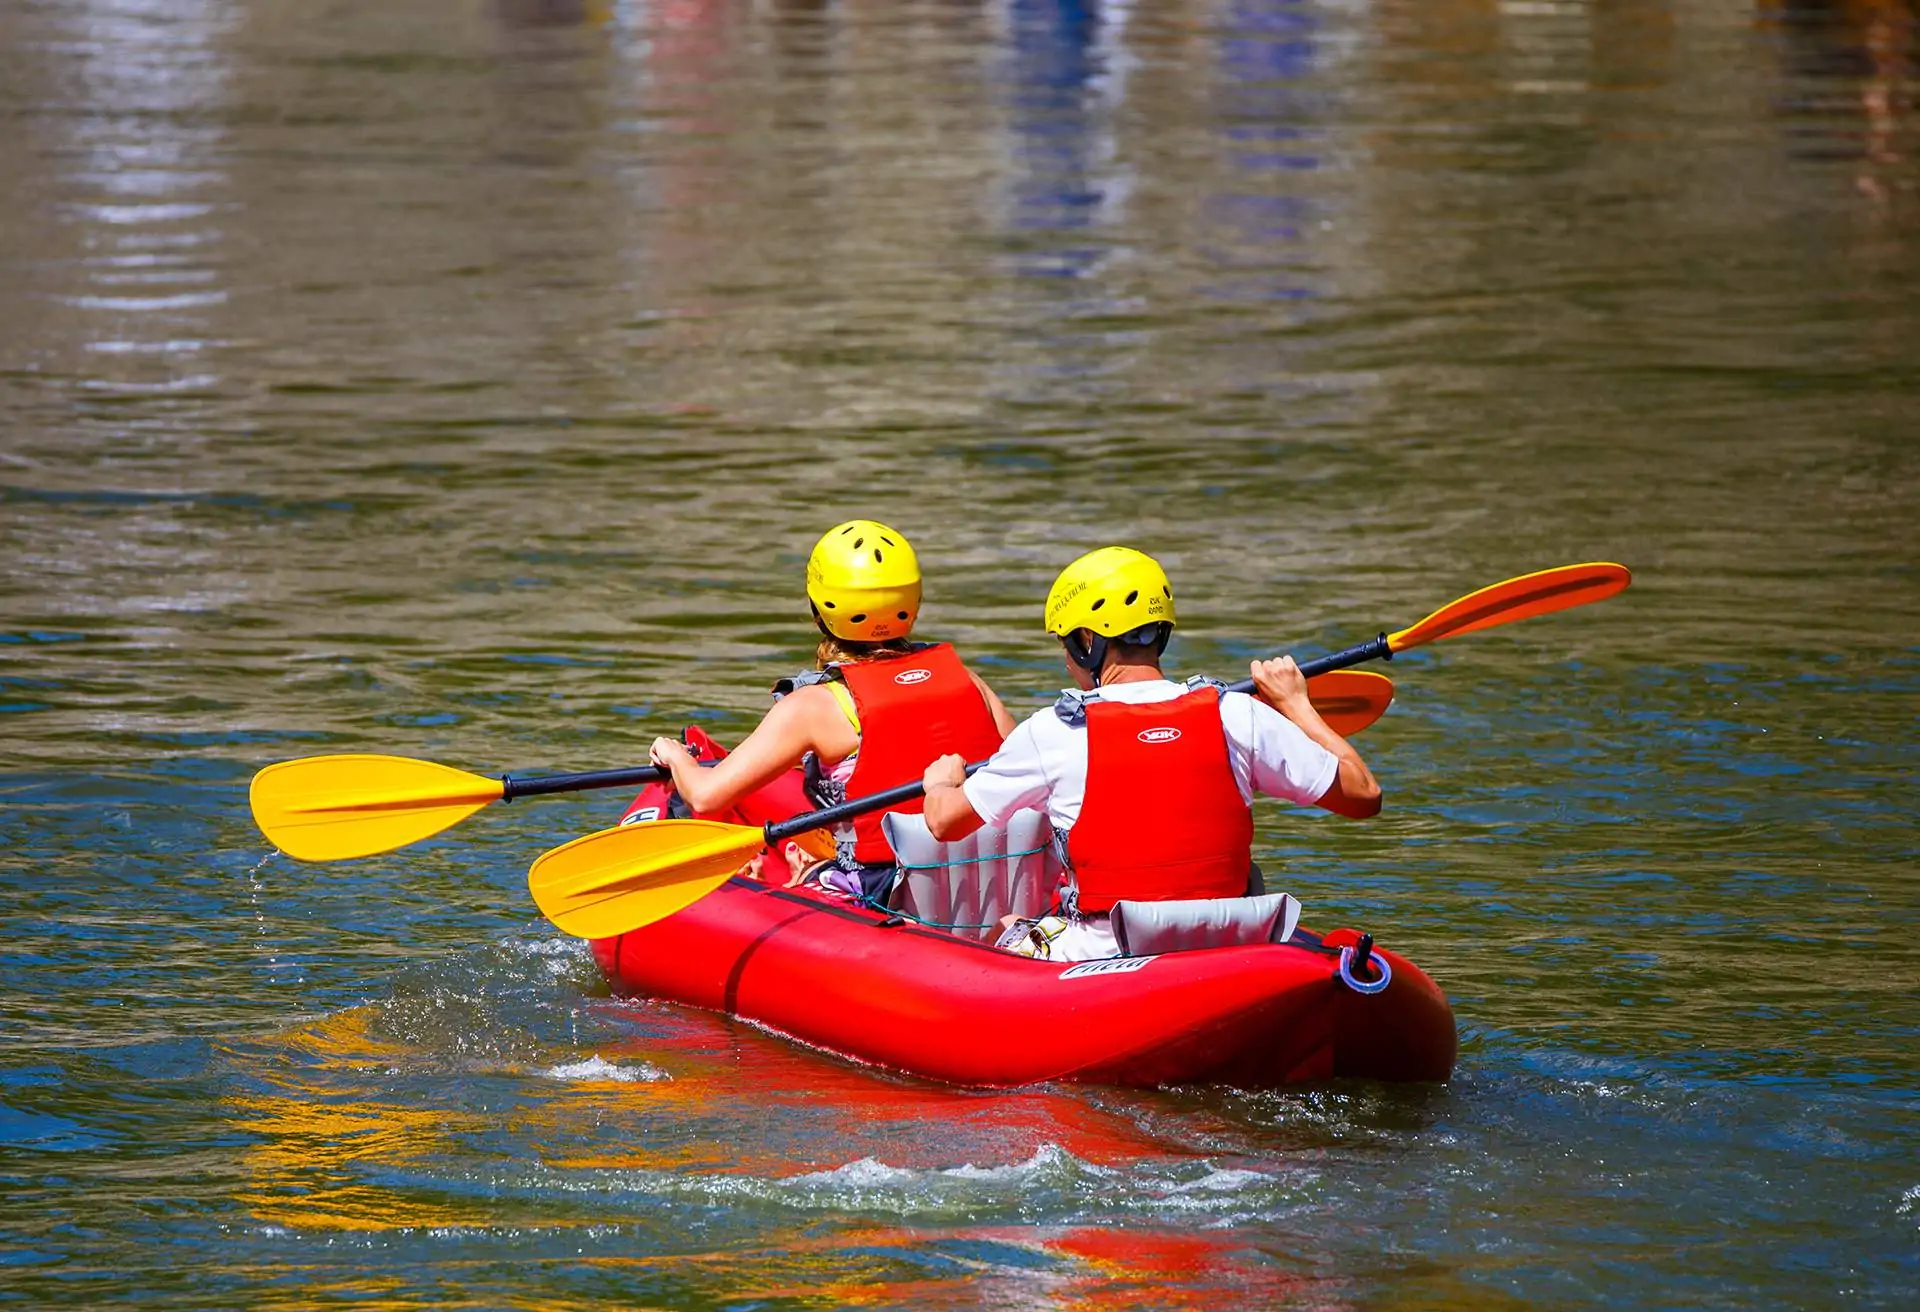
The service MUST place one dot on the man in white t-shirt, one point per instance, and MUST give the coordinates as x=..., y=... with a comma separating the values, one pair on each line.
x=1148, y=780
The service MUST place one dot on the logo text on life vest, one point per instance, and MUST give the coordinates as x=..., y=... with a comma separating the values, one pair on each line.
x=913, y=676
x=1110, y=966
x=1166, y=733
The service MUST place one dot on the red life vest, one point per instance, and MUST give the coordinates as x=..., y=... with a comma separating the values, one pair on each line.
x=912, y=709
x=1163, y=817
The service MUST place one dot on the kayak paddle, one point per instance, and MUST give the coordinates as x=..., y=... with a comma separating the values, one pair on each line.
x=331, y=808
x=1349, y=700
x=619, y=879
x=1539, y=593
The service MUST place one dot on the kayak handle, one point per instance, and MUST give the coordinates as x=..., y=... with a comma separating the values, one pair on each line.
x=1354, y=961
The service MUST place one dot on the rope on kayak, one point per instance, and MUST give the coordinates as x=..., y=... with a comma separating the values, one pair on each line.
x=973, y=860
x=921, y=921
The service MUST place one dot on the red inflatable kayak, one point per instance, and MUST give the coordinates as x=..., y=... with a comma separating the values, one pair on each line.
x=876, y=987
x=872, y=987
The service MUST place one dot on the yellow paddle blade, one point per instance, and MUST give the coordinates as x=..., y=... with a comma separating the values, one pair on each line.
x=1533, y=594
x=1350, y=700
x=329, y=808
x=620, y=879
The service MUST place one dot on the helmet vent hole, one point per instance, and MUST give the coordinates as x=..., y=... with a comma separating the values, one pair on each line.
x=848, y=529
x=1169, y=591
x=829, y=605
x=889, y=541
x=859, y=543
x=901, y=615
x=1098, y=604
x=1132, y=597
x=878, y=558
x=859, y=619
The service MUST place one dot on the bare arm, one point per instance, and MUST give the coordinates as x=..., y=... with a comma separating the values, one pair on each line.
x=1001, y=720
x=806, y=720
x=949, y=814
x=1354, y=792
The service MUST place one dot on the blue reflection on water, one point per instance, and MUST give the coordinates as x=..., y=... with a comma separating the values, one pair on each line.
x=1265, y=121
x=1056, y=67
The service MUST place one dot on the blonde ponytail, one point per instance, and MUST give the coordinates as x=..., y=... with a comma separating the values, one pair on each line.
x=845, y=651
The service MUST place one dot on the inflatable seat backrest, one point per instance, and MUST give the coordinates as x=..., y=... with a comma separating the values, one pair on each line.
x=1145, y=929
x=970, y=884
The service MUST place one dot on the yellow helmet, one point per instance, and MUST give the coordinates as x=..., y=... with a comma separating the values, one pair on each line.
x=864, y=582
x=1115, y=592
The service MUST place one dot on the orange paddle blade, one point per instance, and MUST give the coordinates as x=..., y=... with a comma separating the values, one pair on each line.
x=1522, y=598
x=1350, y=700
x=329, y=808
x=619, y=879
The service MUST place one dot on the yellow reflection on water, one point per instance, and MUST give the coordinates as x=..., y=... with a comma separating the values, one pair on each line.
x=306, y=1166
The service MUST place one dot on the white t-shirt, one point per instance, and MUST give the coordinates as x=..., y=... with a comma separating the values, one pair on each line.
x=1043, y=762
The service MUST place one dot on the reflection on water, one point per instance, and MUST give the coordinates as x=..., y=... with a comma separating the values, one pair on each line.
x=607, y=1134
x=469, y=382
x=319, y=1161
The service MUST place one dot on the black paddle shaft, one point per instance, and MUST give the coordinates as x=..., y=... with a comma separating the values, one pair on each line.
x=578, y=783
x=781, y=831
x=1373, y=649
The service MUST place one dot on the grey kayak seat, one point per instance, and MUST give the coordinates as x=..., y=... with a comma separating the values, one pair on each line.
x=968, y=885
x=1145, y=929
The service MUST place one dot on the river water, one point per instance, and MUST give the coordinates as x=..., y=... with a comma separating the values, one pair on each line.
x=469, y=380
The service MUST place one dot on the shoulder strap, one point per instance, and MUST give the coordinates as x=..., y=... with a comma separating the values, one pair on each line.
x=1071, y=706
x=806, y=678
x=845, y=698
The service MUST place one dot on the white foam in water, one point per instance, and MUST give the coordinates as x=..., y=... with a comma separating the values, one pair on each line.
x=862, y=1174
x=556, y=957
x=553, y=949
x=1224, y=1182
x=1216, y=1197
x=597, y=1067
x=1047, y=1156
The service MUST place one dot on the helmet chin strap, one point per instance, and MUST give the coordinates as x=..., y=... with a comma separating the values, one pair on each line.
x=1092, y=656
x=1089, y=657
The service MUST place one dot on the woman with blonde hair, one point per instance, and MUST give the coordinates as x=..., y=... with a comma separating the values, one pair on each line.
x=876, y=710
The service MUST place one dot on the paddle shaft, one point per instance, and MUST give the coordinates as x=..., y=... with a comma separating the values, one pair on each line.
x=780, y=831
x=1373, y=649
x=576, y=783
